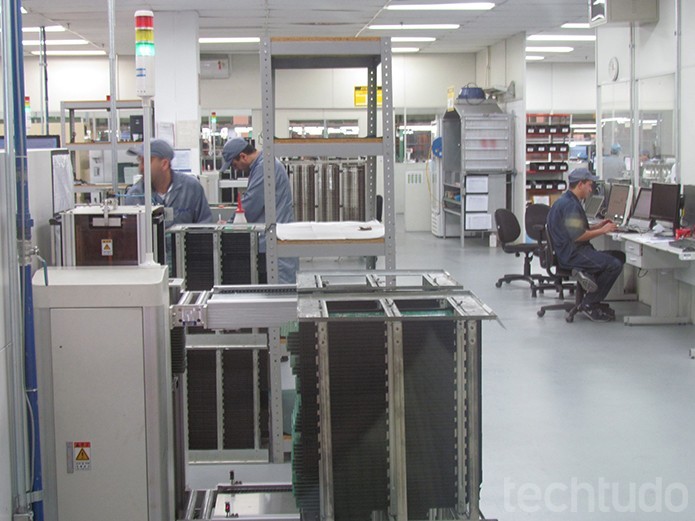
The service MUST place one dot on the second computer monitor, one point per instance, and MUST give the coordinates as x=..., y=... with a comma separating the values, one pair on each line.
x=665, y=204
x=688, y=205
x=643, y=205
x=619, y=203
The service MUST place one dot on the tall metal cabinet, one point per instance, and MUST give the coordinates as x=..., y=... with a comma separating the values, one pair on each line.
x=477, y=161
x=332, y=53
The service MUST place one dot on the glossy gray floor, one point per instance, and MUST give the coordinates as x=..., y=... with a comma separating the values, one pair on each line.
x=581, y=421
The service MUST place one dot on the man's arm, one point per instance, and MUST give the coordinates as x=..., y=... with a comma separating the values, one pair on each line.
x=597, y=230
x=203, y=207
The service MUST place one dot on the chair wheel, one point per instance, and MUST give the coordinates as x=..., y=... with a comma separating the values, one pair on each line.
x=498, y=284
x=540, y=312
x=569, y=318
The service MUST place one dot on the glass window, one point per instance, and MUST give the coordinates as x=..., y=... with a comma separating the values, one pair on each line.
x=616, y=147
x=414, y=137
x=656, y=129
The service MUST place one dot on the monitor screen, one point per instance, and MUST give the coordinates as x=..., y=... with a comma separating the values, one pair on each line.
x=665, y=202
x=36, y=142
x=618, y=203
x=688, y=205
x=593, y=205
x=579, y=152
x=643, y=204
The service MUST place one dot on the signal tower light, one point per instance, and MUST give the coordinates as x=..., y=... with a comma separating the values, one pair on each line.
x=144, y=54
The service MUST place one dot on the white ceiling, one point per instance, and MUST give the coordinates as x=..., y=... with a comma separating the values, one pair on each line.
x=219, y=18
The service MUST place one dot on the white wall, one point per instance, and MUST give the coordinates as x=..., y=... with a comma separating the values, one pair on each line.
x=418, y=81
x=560, y=87
x=688, y=101
x=499, y=65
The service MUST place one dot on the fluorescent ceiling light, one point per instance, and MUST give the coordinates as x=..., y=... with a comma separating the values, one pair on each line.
x=403, y=39
x=23, y=11
x=398, y=27
x=549, y=49
x=572, y=25
x=244, y=39
x=534, y=58
x=405, y=49
x=71, y=53
x=28, y=43
x=470, y=6
x=562, y=38
x=49, y=29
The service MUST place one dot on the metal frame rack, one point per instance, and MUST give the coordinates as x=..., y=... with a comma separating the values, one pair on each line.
x=332, y=53
x=418, y=342
x=227, y=418
x=380, y=447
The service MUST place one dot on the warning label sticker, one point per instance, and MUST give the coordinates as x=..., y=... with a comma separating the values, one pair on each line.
x=82, y=454
x=107, y=247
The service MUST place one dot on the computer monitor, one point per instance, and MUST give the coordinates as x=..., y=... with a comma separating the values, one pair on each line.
x=36, y=142
x=665, y=204
x=579, y=152
x=619, y=203
x=643, y=205
x=593, y=206
x=688, y=205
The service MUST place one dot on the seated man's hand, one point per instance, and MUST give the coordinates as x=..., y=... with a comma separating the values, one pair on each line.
x=609, y=227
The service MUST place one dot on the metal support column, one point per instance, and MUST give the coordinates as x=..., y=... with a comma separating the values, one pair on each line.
x=389, y=216
x=461, y=414
x=325, y=433
x=268, y=105
x=473, y=366
x=398, y=482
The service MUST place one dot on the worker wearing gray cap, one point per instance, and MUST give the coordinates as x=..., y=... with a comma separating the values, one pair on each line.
x=242, y=155
x=181, y=194
x=613, y=166
x=596, y=271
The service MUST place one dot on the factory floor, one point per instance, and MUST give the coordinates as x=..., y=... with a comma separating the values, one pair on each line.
x=584, y=421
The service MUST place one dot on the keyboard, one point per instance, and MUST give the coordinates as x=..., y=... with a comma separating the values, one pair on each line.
x=631, y=229
x=682, y=244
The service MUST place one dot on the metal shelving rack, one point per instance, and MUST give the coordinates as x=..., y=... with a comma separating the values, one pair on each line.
x=332, y=53
x=67, y=122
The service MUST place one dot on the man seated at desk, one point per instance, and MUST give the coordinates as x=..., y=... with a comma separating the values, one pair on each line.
x=570, y=232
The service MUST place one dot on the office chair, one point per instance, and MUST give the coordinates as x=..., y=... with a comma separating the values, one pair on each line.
x=508, y=230
x=534, y=224
x=561, y=279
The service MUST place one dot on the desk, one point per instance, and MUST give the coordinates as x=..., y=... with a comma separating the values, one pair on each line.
x=668, y=265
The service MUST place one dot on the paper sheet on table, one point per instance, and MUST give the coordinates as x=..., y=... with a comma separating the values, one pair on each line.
x=330, y=231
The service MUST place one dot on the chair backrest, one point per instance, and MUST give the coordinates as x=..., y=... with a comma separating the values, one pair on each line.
x=547, y=256
x=535, y=219
x=508, y=229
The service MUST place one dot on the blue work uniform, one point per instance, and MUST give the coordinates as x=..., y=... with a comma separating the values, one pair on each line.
x=253, y=202
x=185, y=196
x=566, y=223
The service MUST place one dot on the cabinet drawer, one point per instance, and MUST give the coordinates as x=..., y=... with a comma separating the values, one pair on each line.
x=633, y=248
x=633, y=259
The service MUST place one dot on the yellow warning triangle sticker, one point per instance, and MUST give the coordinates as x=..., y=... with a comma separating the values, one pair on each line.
x=82, y=456
x=107, y=246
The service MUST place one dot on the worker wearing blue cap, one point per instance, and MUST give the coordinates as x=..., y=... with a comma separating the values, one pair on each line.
x=181, y=194
x=242, y=155
x=596, y=271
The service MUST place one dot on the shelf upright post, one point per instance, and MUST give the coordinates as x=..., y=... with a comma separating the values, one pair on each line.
x=275, y=354
x=389, y=211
